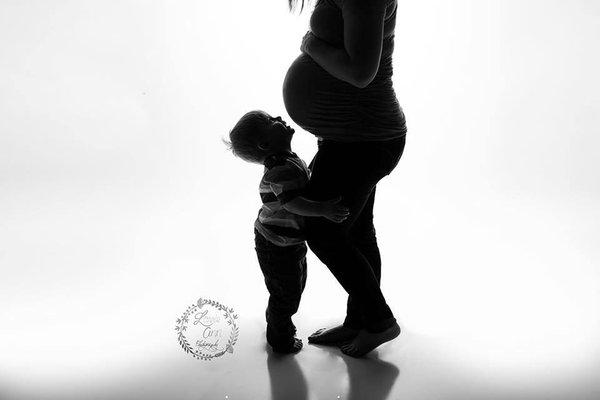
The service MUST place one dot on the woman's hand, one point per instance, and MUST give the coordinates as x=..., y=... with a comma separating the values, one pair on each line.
x=357, y=60
x=308, y=37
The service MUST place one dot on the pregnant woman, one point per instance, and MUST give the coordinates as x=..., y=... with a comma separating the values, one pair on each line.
x=340, y=90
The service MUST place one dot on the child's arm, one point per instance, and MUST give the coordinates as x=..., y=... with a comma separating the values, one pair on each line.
x=329, y=209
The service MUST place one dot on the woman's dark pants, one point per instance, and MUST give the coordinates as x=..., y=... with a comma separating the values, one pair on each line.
x=284, y=269
x=349, y=249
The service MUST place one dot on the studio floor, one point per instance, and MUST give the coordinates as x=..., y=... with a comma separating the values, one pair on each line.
x=497, y=298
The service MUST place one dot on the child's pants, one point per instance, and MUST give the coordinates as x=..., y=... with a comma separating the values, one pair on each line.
x=284, y=269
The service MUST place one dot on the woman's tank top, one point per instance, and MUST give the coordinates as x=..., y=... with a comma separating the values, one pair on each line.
x=333, y=109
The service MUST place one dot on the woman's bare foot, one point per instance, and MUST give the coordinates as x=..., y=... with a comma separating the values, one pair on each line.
x=333, y=336
x=365, y=341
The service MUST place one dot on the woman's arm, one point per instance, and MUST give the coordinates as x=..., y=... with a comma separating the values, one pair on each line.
x=358, y=61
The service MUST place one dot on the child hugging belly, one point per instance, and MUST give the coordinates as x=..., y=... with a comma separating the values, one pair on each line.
x=278, y=229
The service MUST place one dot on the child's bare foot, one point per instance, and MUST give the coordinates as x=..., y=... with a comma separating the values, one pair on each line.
x=366, y=341
x=294, y=347
x=333, y=336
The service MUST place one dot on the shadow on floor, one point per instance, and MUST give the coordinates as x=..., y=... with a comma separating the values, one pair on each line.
x=369, y=377
x=286, y=377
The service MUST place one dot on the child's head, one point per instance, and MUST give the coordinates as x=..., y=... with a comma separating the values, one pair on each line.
x=257, y=135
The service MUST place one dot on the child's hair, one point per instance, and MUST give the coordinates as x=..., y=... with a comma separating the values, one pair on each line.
x=245, y=136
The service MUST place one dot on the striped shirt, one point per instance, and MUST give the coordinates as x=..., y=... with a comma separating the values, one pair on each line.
x=285, y=177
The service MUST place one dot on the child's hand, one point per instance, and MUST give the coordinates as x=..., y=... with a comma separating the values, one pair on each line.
x=334, y=211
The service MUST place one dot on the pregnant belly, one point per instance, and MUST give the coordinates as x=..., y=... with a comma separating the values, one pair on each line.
x=300, y=86
x=329, y=107
x=316, y=99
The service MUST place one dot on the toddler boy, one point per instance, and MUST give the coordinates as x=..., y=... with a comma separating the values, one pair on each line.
x=278, y=229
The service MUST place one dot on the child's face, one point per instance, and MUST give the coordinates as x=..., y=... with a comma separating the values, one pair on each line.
x=276, y=134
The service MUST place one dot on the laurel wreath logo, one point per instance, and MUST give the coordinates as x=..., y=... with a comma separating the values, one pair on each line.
x=181, y=327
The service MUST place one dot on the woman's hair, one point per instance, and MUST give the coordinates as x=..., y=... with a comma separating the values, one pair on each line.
x=245, y=136
x=292, y=5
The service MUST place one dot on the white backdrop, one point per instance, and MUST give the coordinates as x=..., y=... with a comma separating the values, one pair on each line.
x=119, y=204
